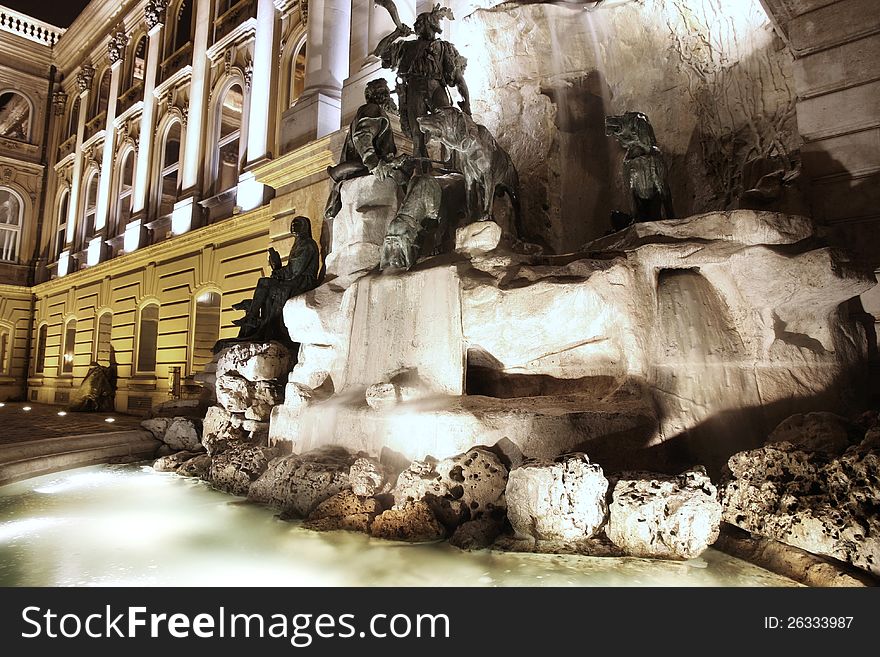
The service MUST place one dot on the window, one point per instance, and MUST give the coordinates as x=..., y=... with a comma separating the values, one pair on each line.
x=230, y=114
x=5, y=350
x=103, y=93
x=61, y=234
x=183, y=26
x=139, y=63
x=170, y=169
x=124, y=193
x=40, y=364
x=206, y=331
x=91, y=208
x=69, y=347
x=11, y=217
x=148, y=336
x=103, y=346
x=15, y=116
x=298, y=73
x=73, y=119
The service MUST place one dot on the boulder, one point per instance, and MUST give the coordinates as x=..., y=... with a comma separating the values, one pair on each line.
x=296, y=484
x=171, y=462
x=256, y=361
x=184, y=433
x=413, y=522
x=476, y=534
x=265, y=395
x=234, y=393
x=809, y=499
x=157, y=426
x=368, y=477
x=219, y=430
x=238, y=467
x=819, y=431
x=664, y=517
x=563, y=499
x=198, y=466
x=345, y=510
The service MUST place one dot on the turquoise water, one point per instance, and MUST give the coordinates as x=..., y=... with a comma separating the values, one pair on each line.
x=129, y=525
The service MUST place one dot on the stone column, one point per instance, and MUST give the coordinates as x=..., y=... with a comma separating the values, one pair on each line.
x=252, y=194
x=84, y=84
x=318, y=110
x=194, y=139
x=115, y=51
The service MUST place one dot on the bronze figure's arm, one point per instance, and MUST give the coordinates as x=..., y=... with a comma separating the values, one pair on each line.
x=400, y=30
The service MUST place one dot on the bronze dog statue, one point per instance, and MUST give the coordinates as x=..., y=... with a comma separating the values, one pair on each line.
x=644, y=171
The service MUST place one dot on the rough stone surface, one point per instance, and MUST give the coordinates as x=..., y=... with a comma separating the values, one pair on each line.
x=369, y=477
x=809, y=499
x=296, y=484
x=557, y=500
x=219, y=430
x=172, y=462
x=345, y=510
x=818, y=431
x=477, y=238
x=413, y=522
x=476, y=534
x=238, y=467
x=664, y=517
x=234, y=393
x=198, y=466
x=183, y=433
x=255, y=361
x=156, y=426
x=264, y=397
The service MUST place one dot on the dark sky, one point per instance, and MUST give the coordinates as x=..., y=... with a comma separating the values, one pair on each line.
x=59, y=13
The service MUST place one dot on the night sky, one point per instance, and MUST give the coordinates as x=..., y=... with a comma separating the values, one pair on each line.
x=59, y=13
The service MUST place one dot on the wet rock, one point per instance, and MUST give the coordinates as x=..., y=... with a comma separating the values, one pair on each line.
x=171, y=462
x=156, y=426
x=562, y=499
x=256, y=361
x=234, y=393
x=219, y=430
x=183, y=433
x=413, y=522
x=346, y=511
x=664, y=517
x=369, y=477
x=238, y=467
x=476, y=534
x=265, y=396
x=296, y=484
x=198, y=466
x=809, y=499
x=820, y=431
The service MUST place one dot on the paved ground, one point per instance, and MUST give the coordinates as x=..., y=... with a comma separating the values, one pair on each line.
x=43, y=421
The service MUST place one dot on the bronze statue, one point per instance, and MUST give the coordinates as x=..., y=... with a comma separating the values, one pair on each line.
x=97, y=392
x=644, y=172
x=263, y=319
x=369, y=144
x=487, y=168
x=425, y=68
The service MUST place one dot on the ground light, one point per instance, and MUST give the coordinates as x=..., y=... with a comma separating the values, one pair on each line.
x=110, y=419
x=25, y=408
x=62, y=413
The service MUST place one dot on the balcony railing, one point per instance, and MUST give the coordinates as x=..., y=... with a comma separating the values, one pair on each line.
x=66, y=147
x=233, y=17
x=177, y=60
x=29, y=28
x=95, y=125
x=129, y=98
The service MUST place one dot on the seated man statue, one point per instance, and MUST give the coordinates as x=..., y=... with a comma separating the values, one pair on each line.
x=369, y=144
x=263, y=314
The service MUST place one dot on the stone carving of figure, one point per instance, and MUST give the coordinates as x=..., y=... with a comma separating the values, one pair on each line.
x=369, y=144
x=644, y=172
x=263, y=314
x=425, y=66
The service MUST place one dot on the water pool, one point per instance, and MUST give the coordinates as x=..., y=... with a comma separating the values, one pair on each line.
x=129, y=525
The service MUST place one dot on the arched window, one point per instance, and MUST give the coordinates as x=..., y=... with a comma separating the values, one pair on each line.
x=139, y=62
x=297, y=73
x=147, y=338
x=183, y=26
x=15, y=116
x=73, y=119
x=170, y=169
x=206, y=330
x=103, y=93
x=103, y=346
x=124, y=192
x=5, y=350
x=229, y=136
x=91, y=208
x=11, y=218
x=69, y=347
x=42, y=335
x=61, y=233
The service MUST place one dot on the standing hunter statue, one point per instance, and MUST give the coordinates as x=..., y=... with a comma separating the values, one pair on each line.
x=426, y=67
